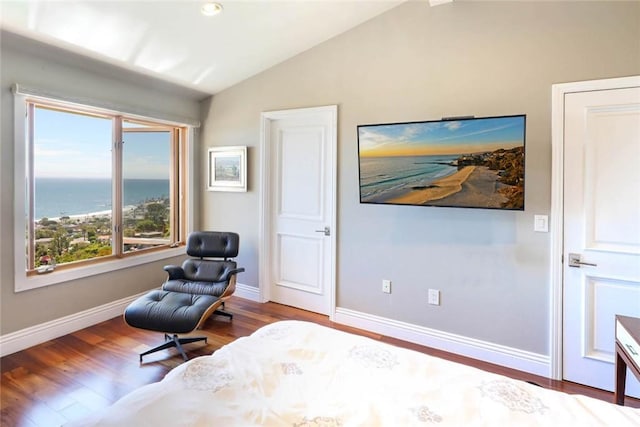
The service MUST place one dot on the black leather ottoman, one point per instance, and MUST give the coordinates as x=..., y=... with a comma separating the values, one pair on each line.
x=169, y=312
x=172, y=313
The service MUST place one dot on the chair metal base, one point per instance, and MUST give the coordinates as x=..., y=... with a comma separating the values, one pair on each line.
x=223, y=313
x=174, y=341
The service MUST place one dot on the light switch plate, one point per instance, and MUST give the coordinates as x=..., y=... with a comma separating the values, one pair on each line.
x=541, y=223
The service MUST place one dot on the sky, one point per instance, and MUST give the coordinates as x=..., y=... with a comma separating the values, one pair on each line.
x=77, y=146
x=441, y=137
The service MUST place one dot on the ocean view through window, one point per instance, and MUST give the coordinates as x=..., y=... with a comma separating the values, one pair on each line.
x=99, y=186
x=57, y=197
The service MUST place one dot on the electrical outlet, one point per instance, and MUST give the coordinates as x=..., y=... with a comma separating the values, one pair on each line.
x=386, y=286
x=434, y=297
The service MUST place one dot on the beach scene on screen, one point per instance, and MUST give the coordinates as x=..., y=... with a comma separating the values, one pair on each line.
x=475, y=162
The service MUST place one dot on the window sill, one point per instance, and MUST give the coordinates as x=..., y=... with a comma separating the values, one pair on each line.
x=24, y=282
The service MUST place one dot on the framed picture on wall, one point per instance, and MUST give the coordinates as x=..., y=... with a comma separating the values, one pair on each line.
x=227, y=169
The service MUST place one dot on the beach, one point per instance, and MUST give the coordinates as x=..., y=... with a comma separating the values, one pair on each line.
x=470, y=186
x=85, y=217
x=437, y=190
x=480, y=180
x=481, y=189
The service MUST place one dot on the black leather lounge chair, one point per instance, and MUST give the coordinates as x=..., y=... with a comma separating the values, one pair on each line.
x=191, y=293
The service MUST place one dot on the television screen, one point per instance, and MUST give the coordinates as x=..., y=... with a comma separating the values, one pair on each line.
x=460, y=162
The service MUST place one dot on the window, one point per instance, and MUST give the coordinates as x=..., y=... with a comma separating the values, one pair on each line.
x=99, y=187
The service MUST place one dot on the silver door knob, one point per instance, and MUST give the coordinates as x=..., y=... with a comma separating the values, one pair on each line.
x=575, y=261
x=326, y=231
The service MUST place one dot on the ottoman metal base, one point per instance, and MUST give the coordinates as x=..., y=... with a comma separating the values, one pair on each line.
x=174, y=341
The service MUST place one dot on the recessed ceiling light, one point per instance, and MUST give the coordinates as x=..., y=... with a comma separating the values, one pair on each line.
x=211, y=8
x=433, y=3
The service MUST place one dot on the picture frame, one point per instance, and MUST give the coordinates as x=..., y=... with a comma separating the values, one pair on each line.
x=227, y=169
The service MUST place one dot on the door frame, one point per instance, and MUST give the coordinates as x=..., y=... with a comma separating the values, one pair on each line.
x=264, y=234
x=558, y=93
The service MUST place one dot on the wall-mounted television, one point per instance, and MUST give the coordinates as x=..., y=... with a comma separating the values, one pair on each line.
x=471, y=162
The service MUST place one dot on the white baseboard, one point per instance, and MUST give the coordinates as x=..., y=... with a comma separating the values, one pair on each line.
x=34, y=335
x=538, y=364
x=533, y=363
x=247, y=292
x=28, y=337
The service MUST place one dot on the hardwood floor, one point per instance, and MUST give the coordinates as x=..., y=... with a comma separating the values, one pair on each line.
x=68, y=377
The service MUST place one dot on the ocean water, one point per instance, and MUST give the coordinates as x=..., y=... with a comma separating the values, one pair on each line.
x=383, y=178
x=56, y=197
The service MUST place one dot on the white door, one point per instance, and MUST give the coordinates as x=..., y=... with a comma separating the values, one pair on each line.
x=601, y=230
x=299, y=188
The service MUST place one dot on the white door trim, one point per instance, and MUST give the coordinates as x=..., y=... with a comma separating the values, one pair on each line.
x=264, y=259
x=558, y=92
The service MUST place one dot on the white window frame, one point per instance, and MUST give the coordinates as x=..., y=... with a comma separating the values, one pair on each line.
x=23, y=281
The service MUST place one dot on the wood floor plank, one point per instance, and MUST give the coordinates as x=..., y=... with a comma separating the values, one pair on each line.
x=13, y=397
x=88, y=336
x=66, y=378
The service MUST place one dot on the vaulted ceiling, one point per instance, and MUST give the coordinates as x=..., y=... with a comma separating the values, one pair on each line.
x=174, y=41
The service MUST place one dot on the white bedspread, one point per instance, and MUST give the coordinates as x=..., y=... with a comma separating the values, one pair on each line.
x=294, y=373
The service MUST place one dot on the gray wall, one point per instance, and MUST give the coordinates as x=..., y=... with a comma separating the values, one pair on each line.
x=420, y=63
x=34, y=65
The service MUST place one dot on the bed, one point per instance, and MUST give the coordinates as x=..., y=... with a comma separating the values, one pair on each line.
x=300, y=374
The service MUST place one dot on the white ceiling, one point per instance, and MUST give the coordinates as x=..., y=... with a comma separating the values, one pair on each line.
x=173, y=41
